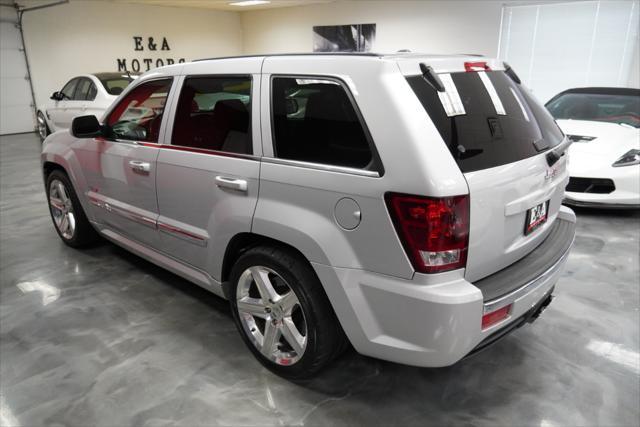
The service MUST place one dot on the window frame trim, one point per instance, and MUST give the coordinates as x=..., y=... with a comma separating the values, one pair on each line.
x=206, y=151
x=377, y=168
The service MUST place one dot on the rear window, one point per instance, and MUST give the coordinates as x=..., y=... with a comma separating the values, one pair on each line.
x=486, y=119
x=115, y=85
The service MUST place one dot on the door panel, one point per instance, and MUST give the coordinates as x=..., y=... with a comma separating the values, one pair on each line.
x=198, y=217
x=121, y=168
x=122, y=196
x=207, y=178
x=58, y=112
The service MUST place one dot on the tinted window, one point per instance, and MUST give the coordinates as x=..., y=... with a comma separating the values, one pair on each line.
x=115, y=85
x=597, y=107
x=83, y=91
x=214, y=113
x=69, y=89
x=93, y=91
x=138, y=116
x=315, y=121
x=496, y=122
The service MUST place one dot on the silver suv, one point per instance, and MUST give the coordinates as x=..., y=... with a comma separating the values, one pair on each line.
x=409, y=205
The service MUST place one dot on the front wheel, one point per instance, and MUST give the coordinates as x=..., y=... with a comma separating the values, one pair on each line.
x=283, y=314
x=69, y=219
x=43, y=128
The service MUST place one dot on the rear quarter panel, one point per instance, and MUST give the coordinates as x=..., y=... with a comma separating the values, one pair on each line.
x=296, y=204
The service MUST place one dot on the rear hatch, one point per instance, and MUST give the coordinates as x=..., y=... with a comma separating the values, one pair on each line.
x=501, y=138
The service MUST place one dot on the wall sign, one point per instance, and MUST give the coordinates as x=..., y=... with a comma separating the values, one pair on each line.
x=150, y=45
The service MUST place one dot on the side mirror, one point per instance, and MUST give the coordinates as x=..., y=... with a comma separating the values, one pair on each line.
x=57, y=96
x=86, y=127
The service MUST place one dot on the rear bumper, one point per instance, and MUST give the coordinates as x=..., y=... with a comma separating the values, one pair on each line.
x=435, y=320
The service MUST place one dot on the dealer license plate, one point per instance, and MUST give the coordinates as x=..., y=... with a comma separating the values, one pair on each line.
x=536, y=216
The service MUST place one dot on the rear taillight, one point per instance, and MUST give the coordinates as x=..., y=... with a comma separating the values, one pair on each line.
x=433, y=231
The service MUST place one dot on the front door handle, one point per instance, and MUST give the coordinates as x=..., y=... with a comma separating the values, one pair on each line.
x=232, y=183
x=141, y=167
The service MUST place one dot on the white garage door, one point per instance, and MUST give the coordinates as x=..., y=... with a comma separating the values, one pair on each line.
x=557, y=46
x=16, y=111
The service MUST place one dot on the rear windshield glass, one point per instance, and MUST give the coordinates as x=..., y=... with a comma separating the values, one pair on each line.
x=115, y=85
x=613, y=108
x=486, y=119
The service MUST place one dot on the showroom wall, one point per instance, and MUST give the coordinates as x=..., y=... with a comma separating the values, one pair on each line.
x=422, y=26
x=56, y=52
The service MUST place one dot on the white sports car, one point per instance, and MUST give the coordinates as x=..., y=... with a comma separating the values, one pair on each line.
x=604, y=163
x=87, y=94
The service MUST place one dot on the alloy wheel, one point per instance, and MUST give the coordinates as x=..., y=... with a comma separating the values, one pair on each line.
x=271, y=315
x=62, y=209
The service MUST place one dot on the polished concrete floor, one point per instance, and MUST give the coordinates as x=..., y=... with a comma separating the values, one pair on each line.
x=101, y=337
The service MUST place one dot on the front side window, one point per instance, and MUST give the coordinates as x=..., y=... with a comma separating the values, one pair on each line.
x=315, y=121
x=68, y=89
x=138, y=116
x=214, y=113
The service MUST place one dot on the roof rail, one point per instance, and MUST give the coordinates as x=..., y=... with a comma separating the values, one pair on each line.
x=370, y=54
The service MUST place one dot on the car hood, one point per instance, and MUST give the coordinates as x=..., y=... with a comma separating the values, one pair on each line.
x=598, y=144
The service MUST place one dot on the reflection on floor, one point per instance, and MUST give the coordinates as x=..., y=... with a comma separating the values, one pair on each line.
x=104, y=338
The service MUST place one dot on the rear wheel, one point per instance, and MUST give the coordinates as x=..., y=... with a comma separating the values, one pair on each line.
x=69, y=219
x=282, y=313
x=43, y=128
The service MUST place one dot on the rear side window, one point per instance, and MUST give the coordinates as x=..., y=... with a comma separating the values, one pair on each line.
x=315, y=121
x=486, y=119
x=85, y=91
x=139, y=114
x=214, y=113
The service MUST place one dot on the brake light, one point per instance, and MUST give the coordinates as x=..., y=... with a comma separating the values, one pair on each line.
x=433, y=231
x=476, y=66
x=496, y=316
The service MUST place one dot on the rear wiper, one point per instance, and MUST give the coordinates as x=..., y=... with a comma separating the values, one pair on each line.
x=465, y=153
x=554, y=155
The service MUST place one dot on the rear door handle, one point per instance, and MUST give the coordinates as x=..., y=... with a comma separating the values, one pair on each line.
x=138, y=166
x=232, y=183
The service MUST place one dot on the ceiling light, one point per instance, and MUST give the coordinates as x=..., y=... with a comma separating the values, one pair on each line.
x=249, y=3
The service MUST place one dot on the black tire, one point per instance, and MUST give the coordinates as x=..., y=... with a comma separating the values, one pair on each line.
x=83, y=234
x=43, y=127
x=325, y=339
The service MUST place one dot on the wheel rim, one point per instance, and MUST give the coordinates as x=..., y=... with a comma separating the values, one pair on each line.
x=42, y=127
x=271, y=315
x=62, y=209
